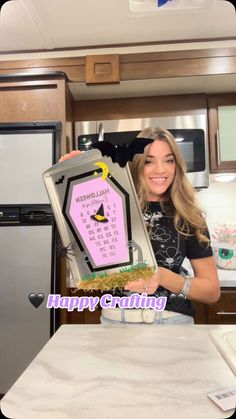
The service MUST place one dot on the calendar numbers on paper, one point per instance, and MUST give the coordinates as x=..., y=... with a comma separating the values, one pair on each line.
x=103, y=232
x=98, y=213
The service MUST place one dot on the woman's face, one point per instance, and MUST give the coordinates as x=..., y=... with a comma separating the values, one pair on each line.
x=159, y=170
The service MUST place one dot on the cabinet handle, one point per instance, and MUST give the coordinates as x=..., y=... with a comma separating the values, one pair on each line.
x=100, y=132
x=223, y=313
x=218, y=146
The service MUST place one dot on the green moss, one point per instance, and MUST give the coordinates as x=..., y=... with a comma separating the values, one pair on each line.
x=118, y=280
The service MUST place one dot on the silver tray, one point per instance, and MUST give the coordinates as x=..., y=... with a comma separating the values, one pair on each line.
x=98, y=217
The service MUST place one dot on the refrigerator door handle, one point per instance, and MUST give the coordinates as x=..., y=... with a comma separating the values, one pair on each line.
x=36, y=215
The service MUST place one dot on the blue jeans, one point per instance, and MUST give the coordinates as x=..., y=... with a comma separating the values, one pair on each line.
x=178, y=319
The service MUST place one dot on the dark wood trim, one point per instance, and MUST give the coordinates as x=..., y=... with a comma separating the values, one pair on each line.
x=221, y=99
x=137, y=66
x=42, y=62
x=72, y=68
x=177, y=55
x=91, y=110
x=178, y=68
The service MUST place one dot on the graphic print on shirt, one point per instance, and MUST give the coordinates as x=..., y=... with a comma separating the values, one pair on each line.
x=157, y=232
x=168, y=255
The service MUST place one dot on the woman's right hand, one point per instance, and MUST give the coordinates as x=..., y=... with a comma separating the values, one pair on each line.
x=67, y=156
x=144, y=285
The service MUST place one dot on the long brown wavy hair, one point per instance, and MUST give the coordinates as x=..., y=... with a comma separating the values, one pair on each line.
x=189, y=219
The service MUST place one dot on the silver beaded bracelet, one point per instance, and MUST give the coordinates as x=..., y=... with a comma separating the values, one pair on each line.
x=187, y=282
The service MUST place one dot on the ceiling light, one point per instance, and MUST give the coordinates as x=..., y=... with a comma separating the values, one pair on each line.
x=152, y=7
x=225, y=177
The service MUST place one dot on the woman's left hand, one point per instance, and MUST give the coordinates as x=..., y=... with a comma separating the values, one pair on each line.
x=148, y=286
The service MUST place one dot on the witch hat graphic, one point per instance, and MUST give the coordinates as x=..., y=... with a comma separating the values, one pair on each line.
x=99, y=216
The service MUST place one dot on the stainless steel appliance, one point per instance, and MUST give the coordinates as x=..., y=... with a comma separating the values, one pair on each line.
x=27, y=243
x=190, y=132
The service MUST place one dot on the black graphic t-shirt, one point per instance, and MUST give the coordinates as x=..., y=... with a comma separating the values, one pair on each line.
x=170, y=249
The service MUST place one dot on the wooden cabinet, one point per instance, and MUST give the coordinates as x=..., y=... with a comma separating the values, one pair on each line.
x=86, y=316
x=38, y=97
x=222, y=312
x=222, y=132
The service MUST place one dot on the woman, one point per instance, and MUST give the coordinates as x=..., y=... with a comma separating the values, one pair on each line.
x=177, y=230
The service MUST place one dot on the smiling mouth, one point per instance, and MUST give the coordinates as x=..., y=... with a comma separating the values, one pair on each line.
x=158, y=179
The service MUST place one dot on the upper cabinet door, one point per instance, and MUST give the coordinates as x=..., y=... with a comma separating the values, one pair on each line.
x=227, y=133
x=222, y=133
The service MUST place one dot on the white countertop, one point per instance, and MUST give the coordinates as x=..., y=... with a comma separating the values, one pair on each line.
x=141, y=371
x=227, y=278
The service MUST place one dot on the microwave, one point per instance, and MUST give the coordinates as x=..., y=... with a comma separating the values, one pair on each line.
x=189, y=131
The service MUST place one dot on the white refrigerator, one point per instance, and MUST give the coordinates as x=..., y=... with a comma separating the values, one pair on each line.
x=27, y=244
